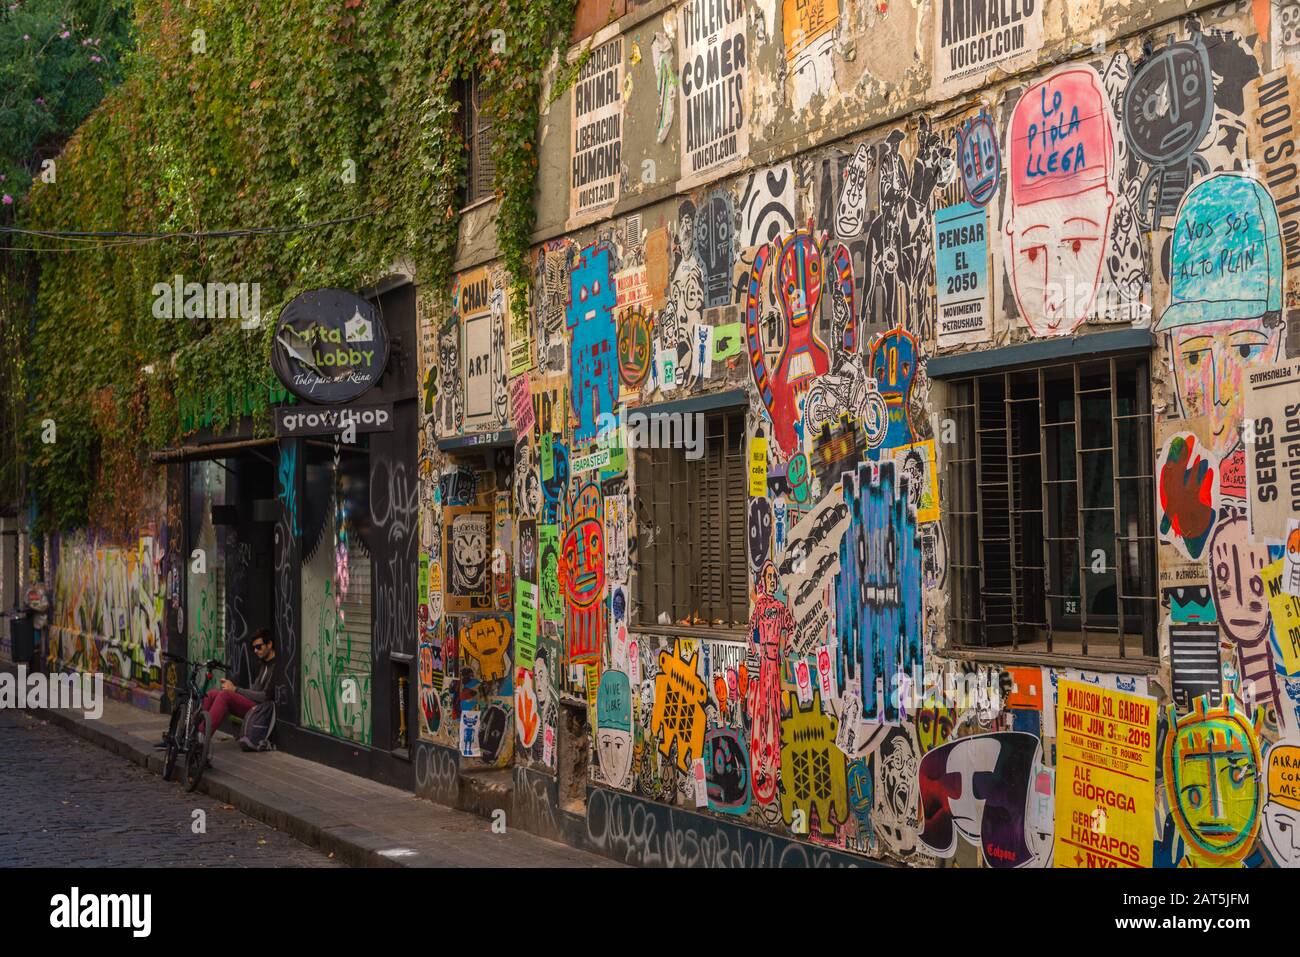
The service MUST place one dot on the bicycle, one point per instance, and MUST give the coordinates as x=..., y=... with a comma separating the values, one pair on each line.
x=188, y=717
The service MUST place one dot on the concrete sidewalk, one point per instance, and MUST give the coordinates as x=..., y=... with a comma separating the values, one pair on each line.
x=361, y=822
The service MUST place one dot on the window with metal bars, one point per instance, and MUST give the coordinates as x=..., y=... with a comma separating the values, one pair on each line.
x=691, y=530
x=1049, y=510
x=478, y=132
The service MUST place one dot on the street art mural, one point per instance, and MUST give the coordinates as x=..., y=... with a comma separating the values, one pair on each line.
x=1060, y=166
x=107, y=614
x=1123, y=189
x=1214, y=780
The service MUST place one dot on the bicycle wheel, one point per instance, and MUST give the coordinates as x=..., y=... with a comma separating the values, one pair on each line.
x=173, y=745
x=196, y=751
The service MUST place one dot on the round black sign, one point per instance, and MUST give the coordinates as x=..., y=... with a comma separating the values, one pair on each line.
x=330, y=346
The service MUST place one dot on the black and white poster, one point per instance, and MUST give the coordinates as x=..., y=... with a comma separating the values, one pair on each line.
x=973, y=36
x=714, y=58
x=596, y=146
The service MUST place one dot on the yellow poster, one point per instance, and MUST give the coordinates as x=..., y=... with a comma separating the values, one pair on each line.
x=1286, y=615
x=1105, y=777
x=757, y=466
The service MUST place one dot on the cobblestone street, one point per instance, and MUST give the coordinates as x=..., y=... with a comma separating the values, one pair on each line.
x=66, y=803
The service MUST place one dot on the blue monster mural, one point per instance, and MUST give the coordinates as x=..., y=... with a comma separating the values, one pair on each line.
x=878, y=589
x=589, y=315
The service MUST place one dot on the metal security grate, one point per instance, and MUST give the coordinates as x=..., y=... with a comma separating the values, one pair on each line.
x=691, y=529
x=1050, y=513
x=480, y=168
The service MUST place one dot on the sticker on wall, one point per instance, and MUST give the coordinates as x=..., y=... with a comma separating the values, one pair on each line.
x=1285, y=605
x=990, y=814
x=1224, y=320
x=1061, y=174
x=962, y=275
x=1213, y=779
x=810, y=32
x=979, y=159
x=1273, y=105
x=1281, y=814
x=1188, y=494
x=918, y=465
x=758, y=466
x=468, y=548
x=1273, y=467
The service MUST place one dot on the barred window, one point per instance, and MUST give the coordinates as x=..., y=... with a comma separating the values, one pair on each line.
x=691, y=527
x=1050, y=510
x=480, y=168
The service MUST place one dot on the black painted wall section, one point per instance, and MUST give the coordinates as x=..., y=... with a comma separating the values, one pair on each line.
x=287, y=618
x=622, y=826
x=394, y=517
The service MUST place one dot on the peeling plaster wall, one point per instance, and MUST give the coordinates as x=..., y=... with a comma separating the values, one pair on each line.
x=1045, y=206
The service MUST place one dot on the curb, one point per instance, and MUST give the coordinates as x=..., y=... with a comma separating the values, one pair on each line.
x=350, y=844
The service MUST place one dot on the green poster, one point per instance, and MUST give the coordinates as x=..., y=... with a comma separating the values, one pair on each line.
x=548, y=456
x=548, y=552
x=525, y=624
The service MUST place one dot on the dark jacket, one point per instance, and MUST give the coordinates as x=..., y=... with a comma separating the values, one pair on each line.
x=263, y=684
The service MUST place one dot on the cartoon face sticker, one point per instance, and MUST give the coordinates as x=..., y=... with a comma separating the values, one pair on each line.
x=980, y=159
x=1212, y=777
x=1061, y=147
x=614, y=727
x=850, y=214
x=1169, y=103
x=893, y=365
x=1235, y=569
x=1281, y=830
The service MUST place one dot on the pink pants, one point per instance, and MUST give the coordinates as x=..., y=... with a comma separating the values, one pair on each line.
x=217, y=703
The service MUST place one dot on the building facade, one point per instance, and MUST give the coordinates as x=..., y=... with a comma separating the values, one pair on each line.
x=870, y=477
x=894, y=462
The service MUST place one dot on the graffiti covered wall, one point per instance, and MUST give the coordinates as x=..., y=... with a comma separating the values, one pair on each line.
x=1063, y=204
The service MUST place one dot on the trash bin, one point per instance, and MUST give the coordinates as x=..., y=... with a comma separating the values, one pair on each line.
x=22, y=637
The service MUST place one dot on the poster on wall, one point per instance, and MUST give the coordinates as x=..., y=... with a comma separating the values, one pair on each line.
x=480, y=303
x=1105, y=777
x=1273, y=467
x=1273, y=105
x=468, y=547
x=962, y=274
x=972, y=36
x=714, y=57
x=596, y=143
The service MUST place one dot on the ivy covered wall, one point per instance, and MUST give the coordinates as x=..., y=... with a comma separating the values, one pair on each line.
x=324, y=134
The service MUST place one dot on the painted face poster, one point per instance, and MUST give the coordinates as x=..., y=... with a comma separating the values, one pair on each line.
x=713, y=55
x=1273, y=460
x=973, y=36
x=962, y=280
x=596, y=147
x=1105, y=777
